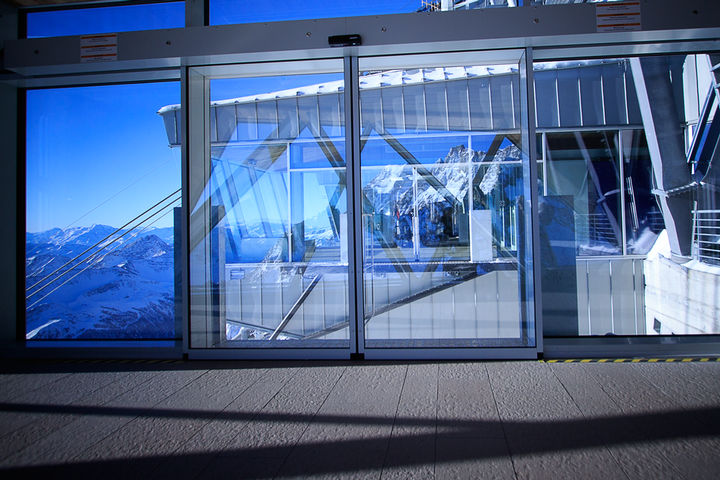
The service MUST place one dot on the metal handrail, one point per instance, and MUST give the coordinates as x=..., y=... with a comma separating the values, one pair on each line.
x=706, y=237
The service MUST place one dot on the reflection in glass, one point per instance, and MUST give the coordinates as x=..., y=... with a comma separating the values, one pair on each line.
x=584, y=167
x=269, y=254
x=443, y=222
x=643, y=219
x=625, y=209
x=227, y=11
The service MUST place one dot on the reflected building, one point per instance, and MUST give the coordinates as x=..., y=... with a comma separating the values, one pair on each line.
x=443, y=178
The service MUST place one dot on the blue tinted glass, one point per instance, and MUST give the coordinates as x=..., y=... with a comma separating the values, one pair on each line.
x=102, y=192
x=122, y=18
x=228, y=11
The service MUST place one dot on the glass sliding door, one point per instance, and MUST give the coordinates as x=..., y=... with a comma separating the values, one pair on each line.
x=268, y=221
x=435, y=253
x=445, y=202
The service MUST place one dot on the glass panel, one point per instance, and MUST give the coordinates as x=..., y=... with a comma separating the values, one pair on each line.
x=121, y=18
x=443, y=221
x=583, y=167
x=226, y=11
x=628, y=213
x=103, y=197
x=269, y=265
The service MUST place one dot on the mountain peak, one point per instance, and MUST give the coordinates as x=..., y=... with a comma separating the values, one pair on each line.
x=145, y=247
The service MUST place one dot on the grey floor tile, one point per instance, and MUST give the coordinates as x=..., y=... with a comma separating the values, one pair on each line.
x=473, y=458
x=466, y=405
x=411, y=449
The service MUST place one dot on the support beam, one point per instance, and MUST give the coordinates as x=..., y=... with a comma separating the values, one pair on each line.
x=667, y=152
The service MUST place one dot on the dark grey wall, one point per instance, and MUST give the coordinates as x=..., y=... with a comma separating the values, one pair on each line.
x=8, y=186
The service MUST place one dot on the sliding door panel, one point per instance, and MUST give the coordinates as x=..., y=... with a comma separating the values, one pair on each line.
x=444, y=181
x=268, y=246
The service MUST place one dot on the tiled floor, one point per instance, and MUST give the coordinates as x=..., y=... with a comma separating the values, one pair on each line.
x=360, y=420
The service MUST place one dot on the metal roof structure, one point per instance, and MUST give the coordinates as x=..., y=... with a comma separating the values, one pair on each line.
x=597, y=93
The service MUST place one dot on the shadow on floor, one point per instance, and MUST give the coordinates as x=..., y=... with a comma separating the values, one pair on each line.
x=364, y=443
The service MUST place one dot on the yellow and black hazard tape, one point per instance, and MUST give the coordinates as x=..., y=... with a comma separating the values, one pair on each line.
x=635, y=360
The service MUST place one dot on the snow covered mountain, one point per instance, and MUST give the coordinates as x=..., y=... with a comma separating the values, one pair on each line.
x=125, y=291
x=391, y=190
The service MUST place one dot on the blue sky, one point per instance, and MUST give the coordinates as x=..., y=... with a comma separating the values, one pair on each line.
x=234, y=11
x=172, y=14
x=106, y=19
x=102, y=147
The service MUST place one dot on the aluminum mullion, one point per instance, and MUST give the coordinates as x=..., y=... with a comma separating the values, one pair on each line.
x=187, y=92
x=197, y=169
x=288, y=189
x=356, y=298
x=535, y=286
x=196, y=15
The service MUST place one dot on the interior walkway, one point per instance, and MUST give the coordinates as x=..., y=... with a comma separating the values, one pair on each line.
x=359, y=420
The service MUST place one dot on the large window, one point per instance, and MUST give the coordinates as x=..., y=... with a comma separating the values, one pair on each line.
x=627, y=199
x=228, y=11
x=102, y=191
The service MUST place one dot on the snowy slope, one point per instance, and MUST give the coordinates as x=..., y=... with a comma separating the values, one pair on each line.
x=127, y=293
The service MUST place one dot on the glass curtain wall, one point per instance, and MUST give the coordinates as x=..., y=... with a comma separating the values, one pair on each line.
x=268, y=242
x=628, y=202
x=103, y=198
x=227, y=11
x=444, y=224
x=105, y=19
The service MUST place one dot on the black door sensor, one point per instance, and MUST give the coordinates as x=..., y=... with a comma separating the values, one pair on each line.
x=344, y=40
